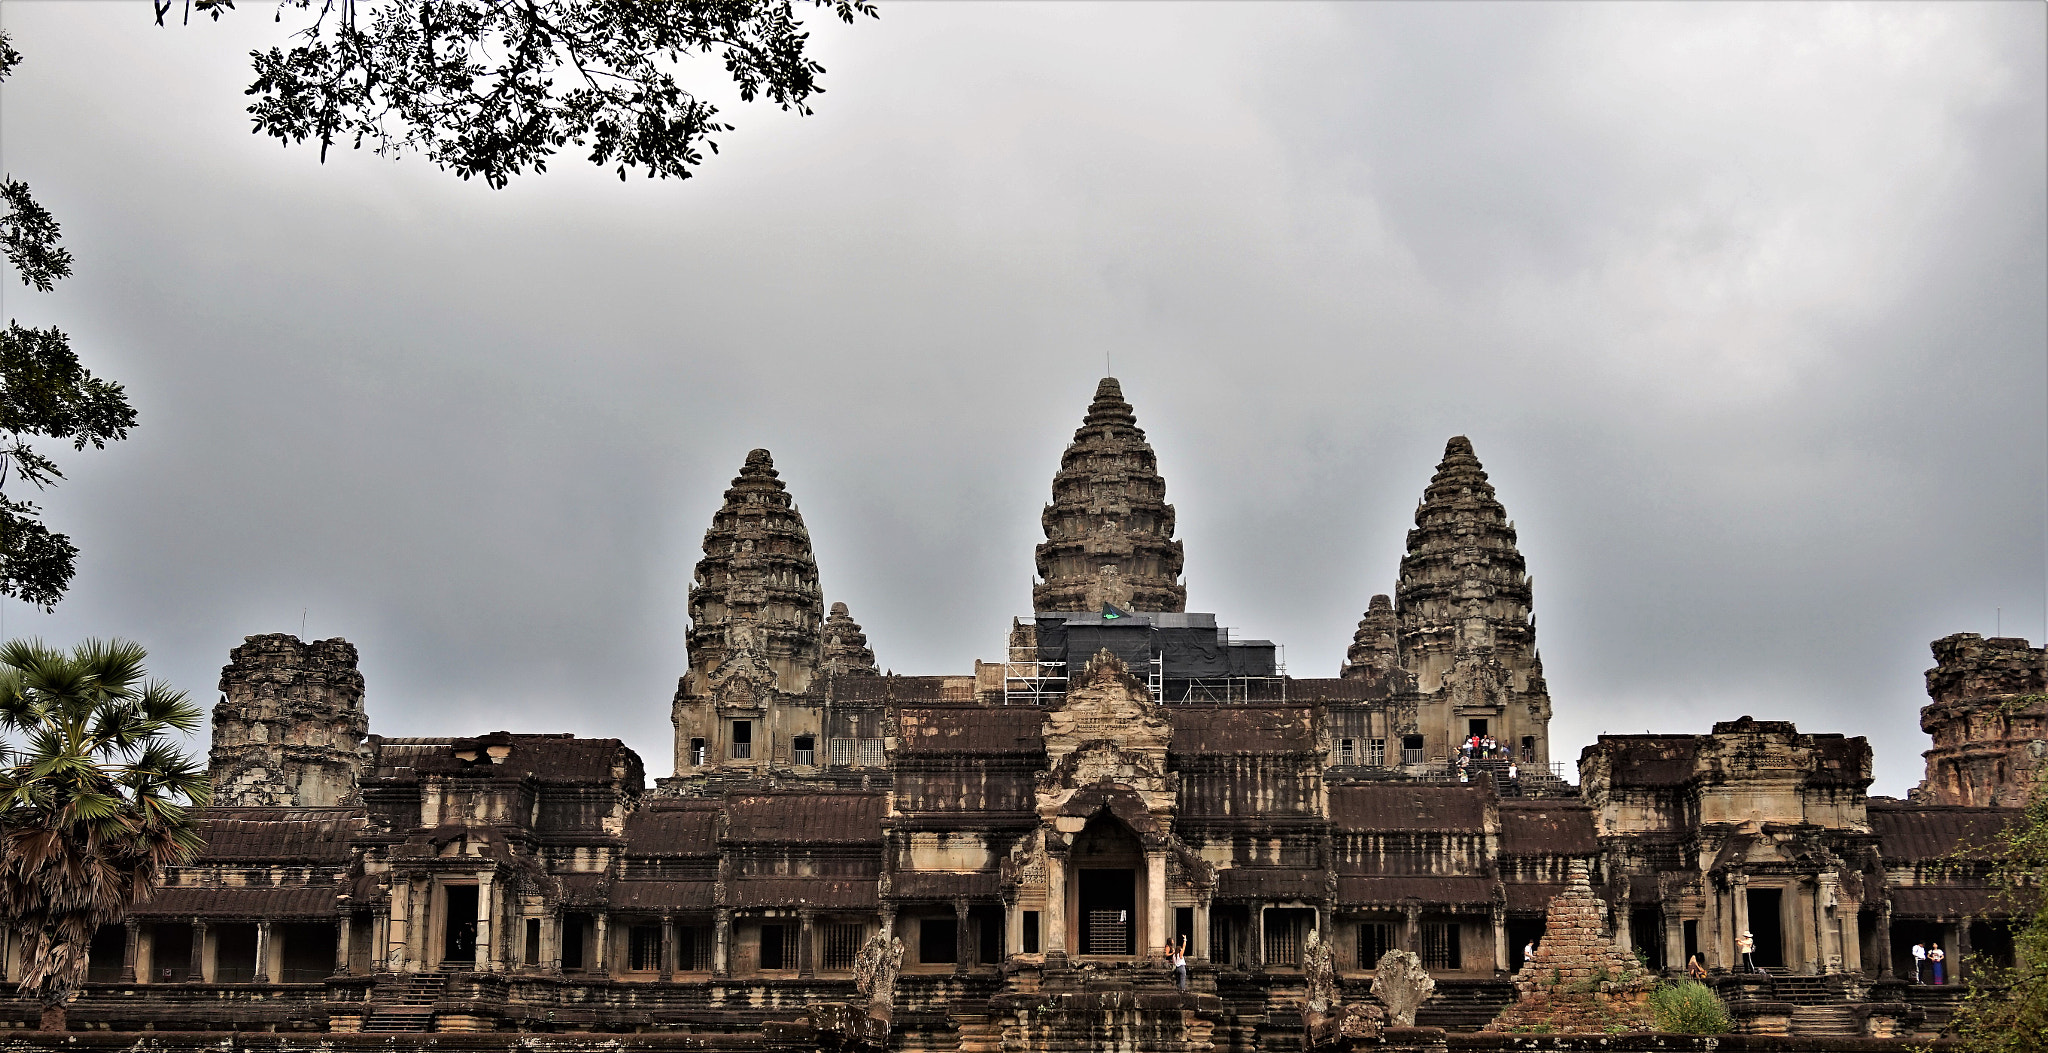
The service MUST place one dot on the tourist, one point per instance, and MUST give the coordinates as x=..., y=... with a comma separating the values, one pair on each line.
x=1745, y=944
x=1934, y=962
x=1177, y=957
x=1529, y=950
x=1513, y=772
x=1919, y=956
x=1696, y=969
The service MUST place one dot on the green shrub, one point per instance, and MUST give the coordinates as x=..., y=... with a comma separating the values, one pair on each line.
x=1688, y=1007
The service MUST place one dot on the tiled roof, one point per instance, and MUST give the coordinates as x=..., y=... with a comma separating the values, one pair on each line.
x=296, y=835
x=272, y=904
x=549, y=758
x=1242, y=729
x=1935, y=901
x=1270, y=882
x=970, y=729
x=808, y=892
x=1922, y=832
x=805, y=817
x=1393, y=891
x=933, y=884
x=662, y=895
x=1407, y=807
x=1529, y=828
x=687, y=829
x=1532, y=896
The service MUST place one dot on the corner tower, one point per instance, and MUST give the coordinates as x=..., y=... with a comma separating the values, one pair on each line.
x=1987, y=719
x=288, y=729
x=1109, y=531
x=756, y=588
x=756, y=635
x=1462, y=608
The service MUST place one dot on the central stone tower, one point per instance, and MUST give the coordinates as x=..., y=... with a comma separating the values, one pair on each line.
x=1109, y=531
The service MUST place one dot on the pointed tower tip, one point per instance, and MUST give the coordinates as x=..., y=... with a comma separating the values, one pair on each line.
x=839, y=611
x=1381, y=603
x=760, y=459
x=1109, y=390
x=1458, y=444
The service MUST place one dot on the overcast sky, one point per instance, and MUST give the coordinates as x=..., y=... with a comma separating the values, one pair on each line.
x=1742, y=306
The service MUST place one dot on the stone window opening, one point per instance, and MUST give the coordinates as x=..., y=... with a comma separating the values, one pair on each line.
x=698, y=754
x=937, y=941
x=1411, y=749
x=872, y=755
x=1286, y=928
x=1440, y=946
x=1030, y=935
x=305, y=952
x=532, y=955
x=742, y=740
x=103, y=961
x=842, y=753
x=803, y=751
x=842, y=945
x=643, y=947
x=1347, y=751
x=778, y=947
x=575, y=931
x=1375, y=939
x=1376, y=752
x=693, y=948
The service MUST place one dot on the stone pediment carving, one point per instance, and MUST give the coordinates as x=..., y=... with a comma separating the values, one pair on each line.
x=744, y=680
x=1107, y=731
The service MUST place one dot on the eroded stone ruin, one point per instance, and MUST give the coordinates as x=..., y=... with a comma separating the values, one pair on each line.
x=997, y=858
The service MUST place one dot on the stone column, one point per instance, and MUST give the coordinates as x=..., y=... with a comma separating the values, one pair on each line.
x=1411, y=928
x=263, y=951
x=1674, y=940
x=486, y=947
x=131, y=943
x=1850, y=921
x=721, y=943
x=600, y=942
x=1500, y=938
x=1738, y=894
x=1053, y=927
x=1829, y=935
x=341, y=942
x=806, y=964
x=963, y=942
x=380, y=937
x=1959, y=955
x=1884, y=938
x=668, y=948
x=1157, y=931
x=1202, y=950
x=195, y=973
x=1256, y=956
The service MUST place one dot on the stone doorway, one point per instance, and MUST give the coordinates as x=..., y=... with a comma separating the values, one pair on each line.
x=1766, y=923
x=1109, y=912
x=458, y=936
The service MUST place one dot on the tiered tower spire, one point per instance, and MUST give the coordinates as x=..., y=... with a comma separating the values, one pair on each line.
x=757, y=586
x=846, y=646
x=1109, y=531
x=1462, y=604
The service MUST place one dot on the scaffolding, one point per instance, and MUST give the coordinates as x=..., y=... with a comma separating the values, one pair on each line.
x=1030, y=682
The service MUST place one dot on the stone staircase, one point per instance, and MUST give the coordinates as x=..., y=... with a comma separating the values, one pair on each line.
x=406, y=1006
x=1465, y=1005
x=1804, y=991
x=1817, y=1021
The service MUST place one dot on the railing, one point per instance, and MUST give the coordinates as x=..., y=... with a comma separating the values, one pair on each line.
x=1028, y=682
x=742, y=750
x=803, y=757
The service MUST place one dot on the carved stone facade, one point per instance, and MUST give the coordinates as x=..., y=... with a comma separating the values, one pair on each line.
x=1988, y=719
x=847, y=859
x=1109, y=531
x=288, y=731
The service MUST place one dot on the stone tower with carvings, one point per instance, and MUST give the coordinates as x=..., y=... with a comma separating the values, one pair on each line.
x=288, y=730
x=1988, y=720
x=1109, y=531
x=1462, y=618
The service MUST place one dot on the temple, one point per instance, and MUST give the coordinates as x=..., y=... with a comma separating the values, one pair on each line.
x=997, y=857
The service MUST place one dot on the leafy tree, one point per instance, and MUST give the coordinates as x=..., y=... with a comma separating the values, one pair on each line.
x=44, y=393
x=96, y=799
x=491, y=88
x=2006, y=1010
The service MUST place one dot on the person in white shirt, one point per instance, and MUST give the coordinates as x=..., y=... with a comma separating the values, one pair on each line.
x=1919, y=957
x=1177, y=957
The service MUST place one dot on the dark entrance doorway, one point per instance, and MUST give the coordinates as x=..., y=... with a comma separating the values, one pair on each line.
x=459, y=934
x=1109, y=912
x=1106, y=859
x=1521, y=934
x=1767, y=925
x=1475, y=726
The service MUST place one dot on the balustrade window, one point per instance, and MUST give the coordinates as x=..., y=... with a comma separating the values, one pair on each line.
x=742, y=739
x=779, y=947
x=842, y=945
x=1376, y=752
x=698, y=754
x=1375, y=939
x=1411, y=749
x=803, y=750
x=1440, y=945
x=1347, y=751
x=842, y=752
x=644, y=948
x=872, y=755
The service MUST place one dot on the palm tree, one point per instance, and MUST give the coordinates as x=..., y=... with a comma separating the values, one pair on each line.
x=96, y=799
